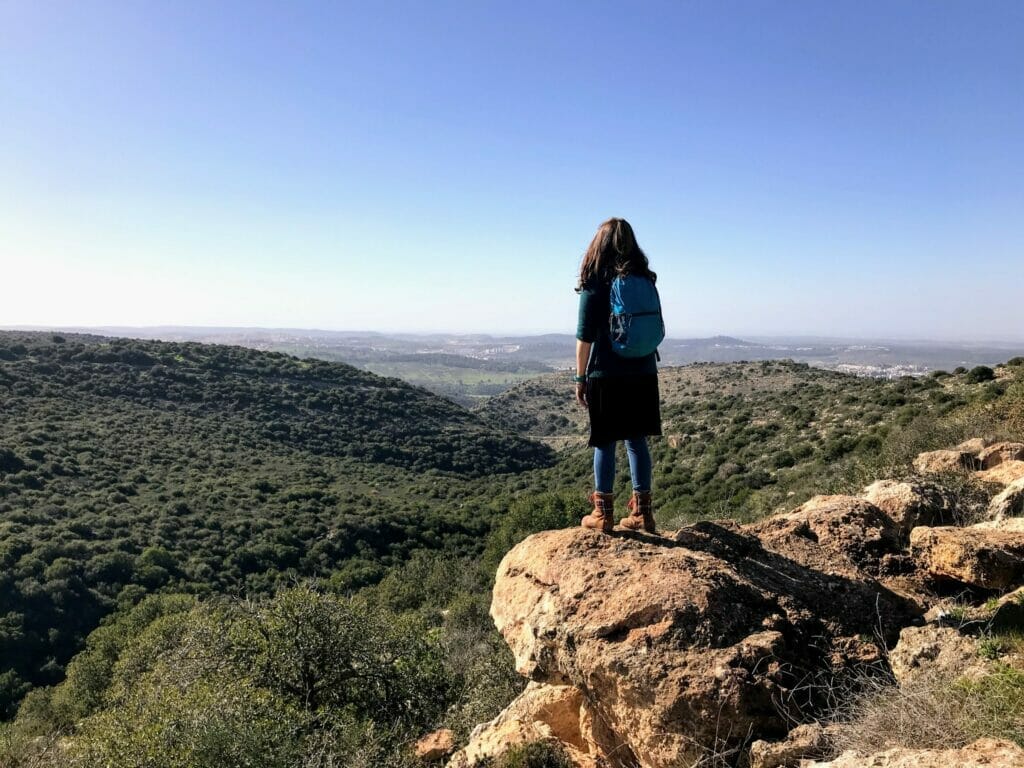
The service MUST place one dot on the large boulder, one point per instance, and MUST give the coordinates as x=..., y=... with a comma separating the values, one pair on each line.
x=807, y=741
x=692, y=642
x=945, y=462
x=934, y=650
x=846, y=527
x=1009, y=502
x=975, y=445
x=555, y=714
x=983, y=753
x=1003, y=474
x=1007, y=615
x=996, y=454
x=435, y=746
x=912, y=503
x=987, y=555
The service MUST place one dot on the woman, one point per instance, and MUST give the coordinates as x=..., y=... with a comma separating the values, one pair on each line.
x=619, y=393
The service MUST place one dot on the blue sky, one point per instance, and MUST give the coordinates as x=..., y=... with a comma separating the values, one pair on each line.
x=827, y=168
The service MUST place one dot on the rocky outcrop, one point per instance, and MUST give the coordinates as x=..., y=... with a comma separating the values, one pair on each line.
x=696, y=640
x=1008, y=613
x=804, y=742
x=435, y=746
x=649, y=651
x=1003, y=474
x=546, y=713
x=852, y=530
x=983, y=753
x=975, y=445
x=987, y=555
x=1009, y=502
x=945, y=462
x=934, y=650
x=994, y=455
x=912, y=503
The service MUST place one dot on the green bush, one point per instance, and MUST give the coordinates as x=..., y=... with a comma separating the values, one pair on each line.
x=428, y=581
x=537, y=754
x=91, y=672
x=980, y=373
x=270, y=682
x=210, y=723
x=324, y=651
x=527, y=516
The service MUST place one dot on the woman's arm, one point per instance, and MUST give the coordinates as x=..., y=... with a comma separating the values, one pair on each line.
x=582, y=357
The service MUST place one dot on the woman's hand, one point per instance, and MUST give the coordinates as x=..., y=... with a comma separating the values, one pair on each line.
x=581, y=393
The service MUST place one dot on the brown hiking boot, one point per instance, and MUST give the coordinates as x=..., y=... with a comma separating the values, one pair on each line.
x=602, y=517
x=641, y=515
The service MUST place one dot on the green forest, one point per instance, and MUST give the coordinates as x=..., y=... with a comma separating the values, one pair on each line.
x=297, y=554
x=128, y=467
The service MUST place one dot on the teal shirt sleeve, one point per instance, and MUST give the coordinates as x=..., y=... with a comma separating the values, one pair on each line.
x=588, y=323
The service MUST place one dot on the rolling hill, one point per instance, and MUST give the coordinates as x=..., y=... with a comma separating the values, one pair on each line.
x=741, y=438
x=131, y=466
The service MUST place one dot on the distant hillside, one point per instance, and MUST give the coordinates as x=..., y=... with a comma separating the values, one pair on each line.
x=887, y=358
x=325, y=408
x=739, y=437
x=134, y=465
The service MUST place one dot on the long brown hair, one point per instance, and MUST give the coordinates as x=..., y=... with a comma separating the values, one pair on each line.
x=612, y=252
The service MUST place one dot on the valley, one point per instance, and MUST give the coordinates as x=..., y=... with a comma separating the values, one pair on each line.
x=148, y=479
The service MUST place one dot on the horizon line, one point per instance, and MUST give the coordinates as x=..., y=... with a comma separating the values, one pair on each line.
x=738, y=336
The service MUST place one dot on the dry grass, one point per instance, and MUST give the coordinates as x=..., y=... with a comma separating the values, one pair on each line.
x=933, y=712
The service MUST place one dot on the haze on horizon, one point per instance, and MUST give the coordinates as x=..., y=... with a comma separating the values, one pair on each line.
x=845, y=169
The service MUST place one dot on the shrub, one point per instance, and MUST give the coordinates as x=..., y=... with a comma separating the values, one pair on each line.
x=933, y=712
x=782, y=459
x=325, y=651
x=300, y=679
x=90, y=673
x=980, y=373
x=213, y=722
x=428, y=580
x=537, y=754
x=539, y=513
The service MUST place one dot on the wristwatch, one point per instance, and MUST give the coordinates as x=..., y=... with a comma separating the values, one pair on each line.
x=579, y=379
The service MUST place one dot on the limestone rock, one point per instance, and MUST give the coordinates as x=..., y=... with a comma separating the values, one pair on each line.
x=847, y=526
x=996, y=454
x=1008, y=615
x=975, y=445
x=805, y=741
x=681, y=643
x=983, y=753
x=987, y=555
x=910, y=504
x=933, y=650
x=1009, y=502
x=435, y=746
x=943, y=462
x=550, y=713
x=1002, y=474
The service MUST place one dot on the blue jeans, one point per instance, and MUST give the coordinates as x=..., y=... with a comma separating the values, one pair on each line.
x=639, y=465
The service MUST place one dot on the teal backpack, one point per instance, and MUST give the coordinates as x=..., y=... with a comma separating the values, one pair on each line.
x=636, y=324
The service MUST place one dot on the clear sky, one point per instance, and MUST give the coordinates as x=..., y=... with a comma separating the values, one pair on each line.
x=828, y=168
